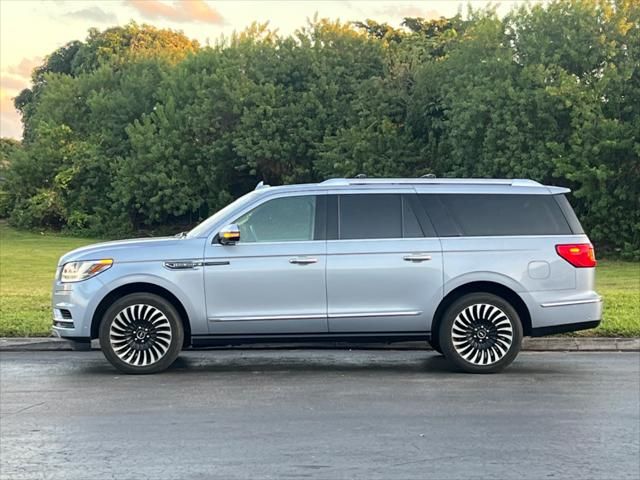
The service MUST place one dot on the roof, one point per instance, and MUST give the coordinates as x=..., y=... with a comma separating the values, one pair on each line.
x=434, y=185
x=515, y=182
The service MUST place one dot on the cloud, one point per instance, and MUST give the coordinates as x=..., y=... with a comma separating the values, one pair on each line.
x=10, y=122
x=178, y=11
x=6, y=102
x=25, y=67
x=94, y=14
x=411, y=11
x=11, y=125
x=13, y=83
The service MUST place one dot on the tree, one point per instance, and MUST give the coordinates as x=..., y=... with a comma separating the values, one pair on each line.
x=140, y=128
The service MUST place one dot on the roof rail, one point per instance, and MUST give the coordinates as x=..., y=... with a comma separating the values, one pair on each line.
x=517, y=182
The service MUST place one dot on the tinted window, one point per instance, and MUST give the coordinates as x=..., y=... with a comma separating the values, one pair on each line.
x=410, y=225
x=569, y=214
x=487, y=215
x=370, y=216
x=285, y=219
x=440, y=218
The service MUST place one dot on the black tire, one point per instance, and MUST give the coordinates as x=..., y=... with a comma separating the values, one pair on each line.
x=141, y=333
x=435, y=345
x=480, y=333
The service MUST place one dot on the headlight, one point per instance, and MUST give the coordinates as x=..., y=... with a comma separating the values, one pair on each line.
x=78, y=271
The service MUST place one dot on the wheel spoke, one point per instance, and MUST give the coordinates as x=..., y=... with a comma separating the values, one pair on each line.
x=482, y=334
x=140, y=335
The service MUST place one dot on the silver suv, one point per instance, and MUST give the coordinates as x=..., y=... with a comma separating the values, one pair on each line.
x=470, y=266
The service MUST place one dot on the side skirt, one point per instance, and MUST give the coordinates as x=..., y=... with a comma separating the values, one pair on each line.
x=359, y=337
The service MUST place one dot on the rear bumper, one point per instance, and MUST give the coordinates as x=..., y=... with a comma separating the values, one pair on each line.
x=567, y=327
x=551, y=315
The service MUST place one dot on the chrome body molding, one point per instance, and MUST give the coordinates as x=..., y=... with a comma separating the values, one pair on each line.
x=188, y=264
x=571, y=302
x=404, y=313
x=319, y=316
x=265, y=317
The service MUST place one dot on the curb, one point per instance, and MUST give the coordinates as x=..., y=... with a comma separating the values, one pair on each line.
x=548, y=344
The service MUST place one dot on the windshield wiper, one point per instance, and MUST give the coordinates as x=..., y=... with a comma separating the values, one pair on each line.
x=181, y=234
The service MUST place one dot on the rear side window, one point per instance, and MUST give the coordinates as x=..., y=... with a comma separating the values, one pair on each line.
x=489, y=215
x=410, y=224
x=380, y=215
x=370, y=216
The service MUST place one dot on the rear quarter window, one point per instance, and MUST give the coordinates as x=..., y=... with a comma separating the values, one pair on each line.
x=569, y=214
x=495, y=214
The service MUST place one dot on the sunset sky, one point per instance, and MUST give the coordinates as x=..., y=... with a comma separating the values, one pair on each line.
x=29, y=30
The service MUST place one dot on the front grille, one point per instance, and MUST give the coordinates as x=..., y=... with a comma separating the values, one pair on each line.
x=66, y=314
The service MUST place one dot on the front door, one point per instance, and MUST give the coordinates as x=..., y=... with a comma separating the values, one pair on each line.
x=272, y=281
x=384, y=267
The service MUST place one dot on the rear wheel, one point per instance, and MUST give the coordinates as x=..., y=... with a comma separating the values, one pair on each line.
x=141, y=333
x=481, y=333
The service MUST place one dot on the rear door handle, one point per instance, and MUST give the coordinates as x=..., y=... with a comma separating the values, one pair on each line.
x=303, y=260
x=417, y=257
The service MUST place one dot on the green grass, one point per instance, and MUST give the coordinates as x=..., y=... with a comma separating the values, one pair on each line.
x=619, y=284
x=28, y=262
x=27, y=267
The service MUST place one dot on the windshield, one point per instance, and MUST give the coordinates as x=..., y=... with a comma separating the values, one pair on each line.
x=203, y=228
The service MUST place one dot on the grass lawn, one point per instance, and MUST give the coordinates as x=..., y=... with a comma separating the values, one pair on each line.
x=27, y=267
x=28, y=262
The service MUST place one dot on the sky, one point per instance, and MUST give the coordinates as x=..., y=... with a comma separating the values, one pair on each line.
x=30, y=29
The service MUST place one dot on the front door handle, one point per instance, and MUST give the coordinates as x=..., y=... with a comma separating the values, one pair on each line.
x=303, y=260
x=417, y=257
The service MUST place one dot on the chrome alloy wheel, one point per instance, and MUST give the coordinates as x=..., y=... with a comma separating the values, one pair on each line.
x=140, y=335
x=482, y=334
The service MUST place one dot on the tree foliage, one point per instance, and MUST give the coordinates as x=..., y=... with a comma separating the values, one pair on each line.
x=140, y=128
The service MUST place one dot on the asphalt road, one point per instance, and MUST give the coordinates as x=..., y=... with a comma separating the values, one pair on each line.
x=319, y=414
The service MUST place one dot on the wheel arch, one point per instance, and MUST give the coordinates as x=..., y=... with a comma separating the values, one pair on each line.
x=482, y=287
x=140, y=287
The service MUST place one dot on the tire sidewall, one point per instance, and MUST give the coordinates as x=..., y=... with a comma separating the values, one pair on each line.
x=177, y=332
x=446, y=340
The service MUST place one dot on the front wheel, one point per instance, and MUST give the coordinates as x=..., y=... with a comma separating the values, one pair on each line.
x=481, y=333
x=141, y=333
x=433, y=343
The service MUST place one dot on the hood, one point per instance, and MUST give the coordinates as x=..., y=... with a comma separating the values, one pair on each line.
x=134, y=250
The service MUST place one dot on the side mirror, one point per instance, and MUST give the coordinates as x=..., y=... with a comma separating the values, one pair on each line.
x=229, y=235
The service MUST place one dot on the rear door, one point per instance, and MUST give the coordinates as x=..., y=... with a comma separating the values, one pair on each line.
x=384, y=263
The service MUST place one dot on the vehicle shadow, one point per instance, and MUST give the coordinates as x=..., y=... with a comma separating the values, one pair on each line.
x=311, y=361
x=430, y=361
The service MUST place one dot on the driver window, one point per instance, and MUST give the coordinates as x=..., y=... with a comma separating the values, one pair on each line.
x=286, y=219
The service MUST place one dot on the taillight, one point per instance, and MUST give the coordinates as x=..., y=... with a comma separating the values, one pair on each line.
x=579, y=255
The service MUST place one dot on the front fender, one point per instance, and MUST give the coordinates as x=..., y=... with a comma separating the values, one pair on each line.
x=185, y=285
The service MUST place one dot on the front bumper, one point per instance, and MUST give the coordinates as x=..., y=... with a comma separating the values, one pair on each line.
x=73, y=307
